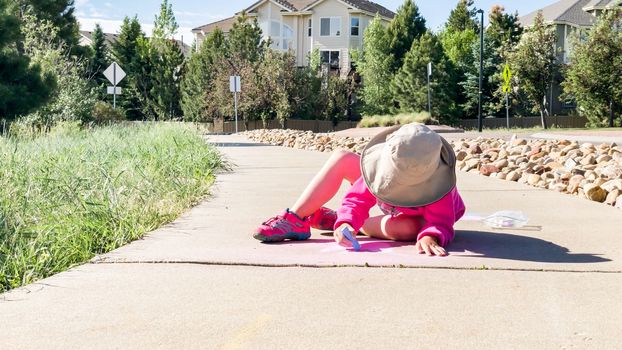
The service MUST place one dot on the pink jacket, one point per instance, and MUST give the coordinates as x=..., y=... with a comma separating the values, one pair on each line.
x=439, y=216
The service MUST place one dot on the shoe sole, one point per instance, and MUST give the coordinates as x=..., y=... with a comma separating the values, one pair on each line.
x=279, y=238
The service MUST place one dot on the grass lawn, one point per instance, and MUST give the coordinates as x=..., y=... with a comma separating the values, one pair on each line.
x=67, y=197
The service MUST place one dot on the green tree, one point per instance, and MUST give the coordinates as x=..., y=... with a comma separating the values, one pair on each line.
x=504, y=30
x=244, y=42
x=75, y=96
x=199, y=76
x=462, y=17
x=23, y=88
x=126, y=51
x=534, y=63
x=458, y=38
x=407, y=26
x=167, y=66
x=593, y=76
x=60, y=13
x=101, y=57
x=492, y=63
x=410, y=85
x=374, y=65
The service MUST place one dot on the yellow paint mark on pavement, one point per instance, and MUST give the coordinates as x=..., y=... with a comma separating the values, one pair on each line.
x=247, y=332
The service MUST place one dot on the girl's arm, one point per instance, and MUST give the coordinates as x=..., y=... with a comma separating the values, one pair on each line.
x=440, y=218
x=355, y=207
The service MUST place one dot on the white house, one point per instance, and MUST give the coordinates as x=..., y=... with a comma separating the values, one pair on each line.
x=333, y=26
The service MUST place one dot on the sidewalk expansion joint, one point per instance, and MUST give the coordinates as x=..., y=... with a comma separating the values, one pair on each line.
x=327, y=266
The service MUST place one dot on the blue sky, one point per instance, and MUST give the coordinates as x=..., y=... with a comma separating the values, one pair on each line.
x=193, y=13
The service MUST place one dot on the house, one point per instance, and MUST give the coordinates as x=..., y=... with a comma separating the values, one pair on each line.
x=334, y=27
x=569, y=17
x=86, y=39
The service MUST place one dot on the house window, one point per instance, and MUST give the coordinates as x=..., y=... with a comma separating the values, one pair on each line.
x=354, y=26
x=330, y=57
x=281, y=35
x=330, y=26
x=310, y=29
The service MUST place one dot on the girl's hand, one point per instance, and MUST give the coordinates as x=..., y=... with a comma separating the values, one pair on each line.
x=429, y=245
x=340, y=239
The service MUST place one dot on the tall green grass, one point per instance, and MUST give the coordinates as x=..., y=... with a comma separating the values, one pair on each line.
x=67, y=197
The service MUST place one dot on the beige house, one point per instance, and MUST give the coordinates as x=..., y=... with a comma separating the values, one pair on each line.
x=334, y=27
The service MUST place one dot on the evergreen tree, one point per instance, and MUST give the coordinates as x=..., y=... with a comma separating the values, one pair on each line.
x=593, y=76
x=127, y=54
x=244, y=41
x=58, y=12
x=100, y=59
x=534, y=63
x=22, y=86
x=410, y=85
x=407, y=26
x=167, y=66
x=199, y=76
x=458, y=38
x=492, y=64
x=462, y=17
x=504, y=30
x=374, y=65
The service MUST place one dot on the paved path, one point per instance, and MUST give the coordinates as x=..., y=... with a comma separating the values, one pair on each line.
x=202, y=282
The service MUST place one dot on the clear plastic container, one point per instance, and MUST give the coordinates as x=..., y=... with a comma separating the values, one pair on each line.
x=506, y=219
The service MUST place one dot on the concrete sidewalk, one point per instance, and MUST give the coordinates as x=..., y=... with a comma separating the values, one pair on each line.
x=202, y=282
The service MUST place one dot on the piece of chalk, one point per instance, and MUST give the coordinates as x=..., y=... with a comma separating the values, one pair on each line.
x=350, y=237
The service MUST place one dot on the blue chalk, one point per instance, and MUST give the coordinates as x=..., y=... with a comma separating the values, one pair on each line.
x=350, y=237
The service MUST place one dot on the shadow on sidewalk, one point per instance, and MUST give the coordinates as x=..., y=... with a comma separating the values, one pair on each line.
x=500, y=245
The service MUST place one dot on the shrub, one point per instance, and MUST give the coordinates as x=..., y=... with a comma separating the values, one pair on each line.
x=399, y=119
x=104, y=113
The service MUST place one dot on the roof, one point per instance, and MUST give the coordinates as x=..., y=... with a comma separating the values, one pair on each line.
x=297, y=5
x=224, y=24
x=601, y=4
x=564, y=11
x=110, y=38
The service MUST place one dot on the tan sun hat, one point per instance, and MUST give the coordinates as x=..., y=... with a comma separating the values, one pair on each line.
x=409, y=166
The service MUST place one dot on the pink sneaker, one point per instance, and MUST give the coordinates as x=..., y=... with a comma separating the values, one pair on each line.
x=282, y=227
x=323, y=219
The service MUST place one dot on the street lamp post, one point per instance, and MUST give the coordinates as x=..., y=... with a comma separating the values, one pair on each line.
x=481, y=70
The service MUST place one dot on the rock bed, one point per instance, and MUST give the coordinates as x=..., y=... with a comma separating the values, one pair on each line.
x=586, y=170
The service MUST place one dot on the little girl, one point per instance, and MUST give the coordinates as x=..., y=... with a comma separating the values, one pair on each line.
x=409, y=171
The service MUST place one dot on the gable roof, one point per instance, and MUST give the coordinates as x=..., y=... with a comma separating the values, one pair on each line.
x=224, y=24
x=601, y=4
x=564, y=11
x=364, y=5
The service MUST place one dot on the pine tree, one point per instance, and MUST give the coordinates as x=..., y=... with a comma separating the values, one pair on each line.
x=458, y=37
x=462, y=17
x=407, y=26
x=593, y=76
x=101, y=57
x=199, y=76
x=244, y=41
x=374, y=65
x=126, y=52
x=23, y=88
x=60, y=13
x=534, y=63
x=410, y=86
x=504, y=30
x=167, y=66
x=492, y=64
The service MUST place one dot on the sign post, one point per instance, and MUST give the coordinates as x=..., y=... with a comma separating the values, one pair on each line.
x=235, y=86
x=507, y=76
x=429, y=92
x=114, y=74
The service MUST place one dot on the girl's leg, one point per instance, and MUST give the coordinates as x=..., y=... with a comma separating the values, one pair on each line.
x=341, y=165
x=396, y=228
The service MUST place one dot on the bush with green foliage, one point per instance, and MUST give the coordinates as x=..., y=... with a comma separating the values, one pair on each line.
x=399, y=119
x=105, y=113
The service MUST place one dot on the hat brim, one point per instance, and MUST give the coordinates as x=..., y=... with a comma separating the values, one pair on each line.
x=427, y=192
